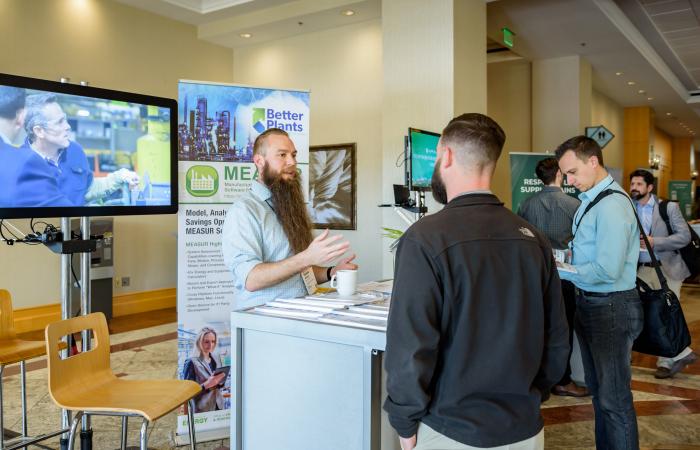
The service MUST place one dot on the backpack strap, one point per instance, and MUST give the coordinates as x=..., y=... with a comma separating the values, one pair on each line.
x=663, y=211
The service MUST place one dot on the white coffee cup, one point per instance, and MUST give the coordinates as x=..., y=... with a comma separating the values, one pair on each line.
x=345, y=281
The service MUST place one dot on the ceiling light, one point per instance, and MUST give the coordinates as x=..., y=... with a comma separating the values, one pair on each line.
x=348, y=12
x=246, y=35
x=650, y=98
x=631, y=83
x=641, y=91
x=618, y=73
x=668, y=114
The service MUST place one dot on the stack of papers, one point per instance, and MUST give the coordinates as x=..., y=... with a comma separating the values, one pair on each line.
x=358, y=322
x=383, y=286
x=369, y=309
x=358, y=298
x=287, y=312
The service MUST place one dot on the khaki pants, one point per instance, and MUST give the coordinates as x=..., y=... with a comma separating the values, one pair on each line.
x=648, y=275
x=429, y=439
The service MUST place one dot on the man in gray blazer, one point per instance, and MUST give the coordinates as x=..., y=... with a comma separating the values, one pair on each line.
x=665, y=247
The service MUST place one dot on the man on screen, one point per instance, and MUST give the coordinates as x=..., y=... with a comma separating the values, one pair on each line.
x=64, y=178
x=267, y=240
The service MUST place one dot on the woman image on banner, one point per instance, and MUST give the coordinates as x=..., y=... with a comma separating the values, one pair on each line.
x=201, y=367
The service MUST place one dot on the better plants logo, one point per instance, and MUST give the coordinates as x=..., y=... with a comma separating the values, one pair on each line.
x=259, y=119
x=202, y=181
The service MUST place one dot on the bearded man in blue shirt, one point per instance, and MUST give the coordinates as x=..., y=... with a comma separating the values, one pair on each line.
x=609, y=314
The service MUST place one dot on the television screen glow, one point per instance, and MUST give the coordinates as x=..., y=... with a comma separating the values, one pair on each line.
x=70, y=150
x=423, y=146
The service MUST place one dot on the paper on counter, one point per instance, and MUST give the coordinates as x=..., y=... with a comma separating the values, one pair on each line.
x=565, y=267
x=370, y=324
x=283, y=312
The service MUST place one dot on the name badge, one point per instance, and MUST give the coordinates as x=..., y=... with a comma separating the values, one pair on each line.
x=309, y=280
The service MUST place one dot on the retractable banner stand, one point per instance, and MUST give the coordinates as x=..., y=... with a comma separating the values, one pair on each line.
x=681, y=191
x=523, y=179
x=217, y=125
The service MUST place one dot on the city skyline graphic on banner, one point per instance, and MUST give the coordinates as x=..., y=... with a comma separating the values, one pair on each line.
x=220, y=123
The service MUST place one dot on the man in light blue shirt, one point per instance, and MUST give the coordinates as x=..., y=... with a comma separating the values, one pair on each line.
x=267, y=241
x=609, y=314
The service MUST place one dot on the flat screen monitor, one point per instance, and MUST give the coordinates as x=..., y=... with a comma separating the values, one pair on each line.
x=423, y=153
x=71, y=150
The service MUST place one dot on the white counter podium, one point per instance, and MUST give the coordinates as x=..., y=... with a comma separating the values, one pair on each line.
x=304, y=385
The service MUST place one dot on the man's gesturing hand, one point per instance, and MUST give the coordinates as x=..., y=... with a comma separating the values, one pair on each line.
x=325, y=249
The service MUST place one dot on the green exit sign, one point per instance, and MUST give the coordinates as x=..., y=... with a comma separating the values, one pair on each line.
x=508, y=37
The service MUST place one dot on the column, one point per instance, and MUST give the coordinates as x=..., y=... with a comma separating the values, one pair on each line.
x=561, y=100
x=434, y=64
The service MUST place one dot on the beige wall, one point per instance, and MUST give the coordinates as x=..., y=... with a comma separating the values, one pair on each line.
x=663, y=146
x=116, y=47
x=342, y=68
x=510, y=104
x=606, y=112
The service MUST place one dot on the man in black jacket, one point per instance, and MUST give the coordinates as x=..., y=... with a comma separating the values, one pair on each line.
x=477, y=333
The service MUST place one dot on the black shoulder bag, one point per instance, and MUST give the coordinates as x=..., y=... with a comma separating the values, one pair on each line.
x=691, y=252
x=665, y=331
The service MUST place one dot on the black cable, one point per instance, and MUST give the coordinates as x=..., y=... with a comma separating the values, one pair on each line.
x=15, y=237
x=401, y=163
x=2, y=235
x=72, y=270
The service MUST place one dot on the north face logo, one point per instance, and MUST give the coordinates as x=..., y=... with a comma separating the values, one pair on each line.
x=527, y=232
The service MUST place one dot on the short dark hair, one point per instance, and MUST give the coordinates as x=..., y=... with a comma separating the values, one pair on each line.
x=547, y=169
x=583, y=146
x=648, y=177
x=482, y=132
x=11, y=101
x=260, y=140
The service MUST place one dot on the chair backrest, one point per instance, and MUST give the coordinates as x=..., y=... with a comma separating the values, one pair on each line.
x=66, y=376
x=7, y=318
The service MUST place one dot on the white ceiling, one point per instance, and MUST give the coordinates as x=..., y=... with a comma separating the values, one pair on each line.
x=223, y=21
x=655, y=43
x=601, y=32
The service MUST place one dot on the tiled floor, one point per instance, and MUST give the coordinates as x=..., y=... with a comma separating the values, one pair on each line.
x=145, y=346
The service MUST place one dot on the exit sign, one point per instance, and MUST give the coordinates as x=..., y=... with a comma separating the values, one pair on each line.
x=507, y=37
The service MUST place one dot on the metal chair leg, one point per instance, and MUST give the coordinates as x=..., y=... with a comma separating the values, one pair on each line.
x=125, y=428
x=144, y=434
x=190, y=423
x=23, y=377
x=2, y=428
x=73, y=429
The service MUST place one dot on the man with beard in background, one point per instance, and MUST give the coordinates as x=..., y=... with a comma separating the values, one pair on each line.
x=267, y=241
x=477, y=334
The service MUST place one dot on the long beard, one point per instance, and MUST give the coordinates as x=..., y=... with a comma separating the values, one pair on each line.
x=288, y=199
x=438, y=186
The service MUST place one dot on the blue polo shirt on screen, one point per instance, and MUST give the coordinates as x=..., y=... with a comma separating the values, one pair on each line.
x=46, y=183
x=12, y=159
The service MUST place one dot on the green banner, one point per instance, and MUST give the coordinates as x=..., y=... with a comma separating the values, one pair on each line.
x=524, y=181
x=681, y=191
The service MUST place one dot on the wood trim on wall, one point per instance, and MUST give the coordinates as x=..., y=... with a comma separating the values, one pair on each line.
x=37, y=317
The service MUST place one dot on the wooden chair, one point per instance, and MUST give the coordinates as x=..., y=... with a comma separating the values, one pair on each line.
x=84, y=383
x=12, y=351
